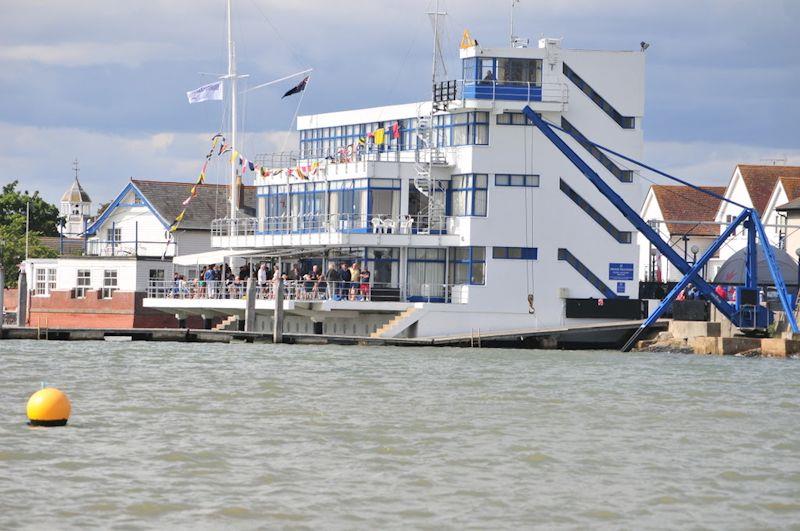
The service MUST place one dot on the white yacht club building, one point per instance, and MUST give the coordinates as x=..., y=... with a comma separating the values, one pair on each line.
x=466, y=215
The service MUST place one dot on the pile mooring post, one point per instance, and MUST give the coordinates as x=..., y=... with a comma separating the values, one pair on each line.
x=277, y=325
x=22, y=299
x=250, y=309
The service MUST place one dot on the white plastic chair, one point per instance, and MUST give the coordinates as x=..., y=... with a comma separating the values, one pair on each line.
x=377, y=225
x=389, y=226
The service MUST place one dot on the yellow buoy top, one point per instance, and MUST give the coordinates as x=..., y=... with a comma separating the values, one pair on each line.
x=48, y=407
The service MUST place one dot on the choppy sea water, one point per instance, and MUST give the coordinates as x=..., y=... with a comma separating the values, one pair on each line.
x=167, y=435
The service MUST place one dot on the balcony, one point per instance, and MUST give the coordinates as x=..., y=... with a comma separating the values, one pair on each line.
x=529, y=92
x=333, y=229
x=97, y=247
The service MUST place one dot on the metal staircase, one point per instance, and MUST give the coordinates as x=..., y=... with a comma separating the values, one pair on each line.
x=426, y=157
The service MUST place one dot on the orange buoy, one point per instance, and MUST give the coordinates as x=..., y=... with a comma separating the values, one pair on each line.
x=48, y=407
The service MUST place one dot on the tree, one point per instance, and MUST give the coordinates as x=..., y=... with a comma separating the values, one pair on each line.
x=44, y=216
x=12, y=247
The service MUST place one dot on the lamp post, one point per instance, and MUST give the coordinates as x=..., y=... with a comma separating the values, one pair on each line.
x=685, y=239
x=653, y=253
x=695, y=250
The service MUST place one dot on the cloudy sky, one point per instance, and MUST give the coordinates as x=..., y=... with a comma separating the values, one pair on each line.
x=105, y=81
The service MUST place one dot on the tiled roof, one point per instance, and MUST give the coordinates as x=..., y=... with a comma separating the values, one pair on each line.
x=211, y=202
x=760, y=181
x=683, y=203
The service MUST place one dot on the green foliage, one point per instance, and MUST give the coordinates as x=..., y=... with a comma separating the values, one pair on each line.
x=44, y=216
x=12, y=247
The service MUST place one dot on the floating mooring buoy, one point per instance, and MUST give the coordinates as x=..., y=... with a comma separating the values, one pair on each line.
x=48, y=407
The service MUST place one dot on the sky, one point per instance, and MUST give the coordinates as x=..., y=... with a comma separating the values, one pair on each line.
x=105, y=81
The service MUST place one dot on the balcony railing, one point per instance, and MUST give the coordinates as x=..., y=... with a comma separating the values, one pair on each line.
x=96, y=247
x=330, y=223
x=306, y=291
x=490, y=89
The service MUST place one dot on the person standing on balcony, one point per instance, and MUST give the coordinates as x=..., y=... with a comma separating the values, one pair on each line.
x=332, y=280
x=208, y=277
x=262, y=278
x=364, y=288
x=344, y=275
x=355, y=277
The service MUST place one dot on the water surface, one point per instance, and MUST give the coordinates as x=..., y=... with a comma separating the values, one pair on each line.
x=249, y=436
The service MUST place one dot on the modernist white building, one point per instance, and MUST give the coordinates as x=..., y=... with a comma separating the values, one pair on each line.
x=466, y=215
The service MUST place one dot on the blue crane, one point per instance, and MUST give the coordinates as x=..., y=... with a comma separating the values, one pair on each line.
x=747, y=313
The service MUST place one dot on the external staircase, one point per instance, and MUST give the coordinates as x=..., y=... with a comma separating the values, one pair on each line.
x=400, y=322
x=229, y=323
x=427, y=156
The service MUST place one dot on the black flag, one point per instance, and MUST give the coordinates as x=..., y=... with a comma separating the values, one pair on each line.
x=300, y=87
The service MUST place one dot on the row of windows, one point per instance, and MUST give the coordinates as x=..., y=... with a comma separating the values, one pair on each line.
x=455, y=129
x=503, y=70
x=504, y=179
x=515, y=253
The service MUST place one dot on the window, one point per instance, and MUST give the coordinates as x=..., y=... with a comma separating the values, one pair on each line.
x=84, y=281
x=519, y=71
x=114, y=235
x=468, y=194
x=44, y=282
x=109, y=283
x=515, y=253
x=513, y=118
x=468, y=265
x=505, y=179
x=626, y=122
x=40, y=286
x=155, y=277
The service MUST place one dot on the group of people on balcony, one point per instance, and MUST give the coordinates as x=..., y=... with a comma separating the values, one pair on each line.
x=342, y=283
x=215, y=281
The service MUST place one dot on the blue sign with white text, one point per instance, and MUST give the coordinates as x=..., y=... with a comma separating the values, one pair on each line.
x=620, y=287
x=620, y=271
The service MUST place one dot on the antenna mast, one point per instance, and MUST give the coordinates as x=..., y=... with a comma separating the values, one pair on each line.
x=232, y=77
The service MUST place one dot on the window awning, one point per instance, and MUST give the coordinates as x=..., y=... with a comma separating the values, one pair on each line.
x=214, y=257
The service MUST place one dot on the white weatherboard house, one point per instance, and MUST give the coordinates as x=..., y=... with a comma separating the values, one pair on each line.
x=682, y=216
x=467, y=217
x=137, y=221
x=763, y=188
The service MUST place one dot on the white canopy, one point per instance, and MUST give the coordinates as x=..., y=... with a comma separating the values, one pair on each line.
x=213, y=257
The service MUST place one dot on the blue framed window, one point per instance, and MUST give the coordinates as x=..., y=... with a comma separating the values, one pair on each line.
x=513, y=118
x=468, y=194
x=462, y=129
x=515, y=179
x=515, y=253
x=468, y=265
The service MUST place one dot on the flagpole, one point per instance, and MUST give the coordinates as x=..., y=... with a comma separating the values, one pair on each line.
x=232, y=77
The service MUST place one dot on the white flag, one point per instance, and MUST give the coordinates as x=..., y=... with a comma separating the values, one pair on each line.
x=212, y=91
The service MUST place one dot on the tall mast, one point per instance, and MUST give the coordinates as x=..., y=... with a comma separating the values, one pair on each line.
x=232, y=77
x=511, y=32
x=435, y=46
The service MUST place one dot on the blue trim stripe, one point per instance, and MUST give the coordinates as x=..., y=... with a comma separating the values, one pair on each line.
x=619, y=235
x=626, y=122
x=625, y=176
x=585, y=272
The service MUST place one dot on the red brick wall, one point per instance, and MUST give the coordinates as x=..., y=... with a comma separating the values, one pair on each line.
x=10, y=299
x=123, y=310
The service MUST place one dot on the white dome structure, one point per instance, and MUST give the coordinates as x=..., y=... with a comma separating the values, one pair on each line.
x=733, y=270
x=75, y=208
